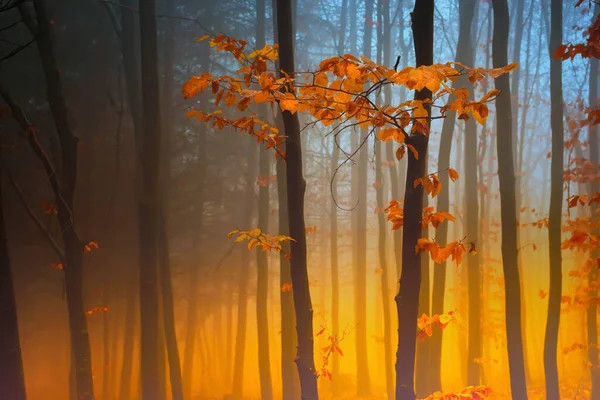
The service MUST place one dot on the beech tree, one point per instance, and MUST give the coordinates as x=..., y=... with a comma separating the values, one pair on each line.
x=506, y=176
x=556, y=207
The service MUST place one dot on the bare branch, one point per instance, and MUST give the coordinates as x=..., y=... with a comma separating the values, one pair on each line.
x=43, y=229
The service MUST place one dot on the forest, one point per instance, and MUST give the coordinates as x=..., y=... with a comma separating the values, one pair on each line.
x=299, y=199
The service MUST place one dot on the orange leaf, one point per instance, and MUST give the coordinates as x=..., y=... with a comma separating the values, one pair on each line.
x=452, y=174
x=414, y=151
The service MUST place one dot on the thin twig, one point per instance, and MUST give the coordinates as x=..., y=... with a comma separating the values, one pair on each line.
x=43, y=229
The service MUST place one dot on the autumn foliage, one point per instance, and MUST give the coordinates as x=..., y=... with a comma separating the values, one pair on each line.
x=343, y=93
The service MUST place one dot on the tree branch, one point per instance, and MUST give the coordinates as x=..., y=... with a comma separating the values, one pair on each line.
x=43, y=229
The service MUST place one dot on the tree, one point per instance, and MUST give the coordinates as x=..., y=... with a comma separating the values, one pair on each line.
x=407, y=299
x=556, y=206
x=333, y=217
x=383, y=11
x=12, y=380
x=262, y=265
x=164, y=263
x=363, y=385
x=289, y=373
x=64, y=193
x=242, y=307
x=592, y=318
x=149, y=204
x=506, y=176
x=295, y=197
x=348, y=101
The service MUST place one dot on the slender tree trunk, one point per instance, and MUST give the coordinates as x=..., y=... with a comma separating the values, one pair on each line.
x=244, y=277
x=192, y=309
x=289, y=373
x=360, y=299
x=422, y=377
x=296, y=186
x=464, y=55
x=506, y=175
x=555, y=214
x=12, y=380
x=472, y=217
x=385, y=286
x=190, y=333
x=106, y=342
x=262, y=282
x=262, y=265
x=395, y=181
x=333, y=218
x=407, y=299
x=64, y=193
x=166, y=285
x=592, y=311
x=515, y=86
x=383, y=37
x=149, y=206
x=131, y=312
x=335, y=276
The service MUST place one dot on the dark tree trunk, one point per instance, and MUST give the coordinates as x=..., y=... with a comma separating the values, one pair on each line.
x=506, y=175
x=556, y=205
x=12, y=380
x=407, y=299
x=289, y=373
x=295, y=195
x=64, y=193
x=149, y=204
x=423, y=355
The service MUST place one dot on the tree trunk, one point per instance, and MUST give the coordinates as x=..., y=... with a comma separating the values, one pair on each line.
x=592, y=311
x=407, y=299
x=295, y=196
x=385, y=286
x=64, y=194
x=128, y=339
x=472, y=215
x=12, y=380
x=506, y=175
x=555, y=213
x=290, y=385
x=190, y=332
x=289, y=373
x=192, y=309
x=244, y=277
x=262, y=264
x=166, y=285
x=360, y=298
x=464, y=55
x=333, y=219
x=149, y=206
